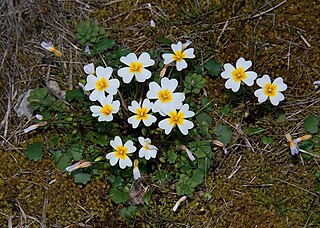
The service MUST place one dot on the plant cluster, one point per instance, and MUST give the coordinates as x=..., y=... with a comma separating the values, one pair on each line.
x=132, y=113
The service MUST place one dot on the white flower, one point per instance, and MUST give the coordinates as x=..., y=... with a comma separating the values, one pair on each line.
x=79, y=165
x=34, y=126
x=39, y=117
x=89, y=69
x=120, y=153
x=183, y=198
x=152, y=24
x=141, y=114
x=147, y=150
x=270, y=90
x=136, y=67
x=189, y=153
x=179, y=54
x=239, y=74
x=167, y=100
x=101, y=83
x=105, y=111
x=87, y=50
x=293, y=143
x=136, y=171
x=177, y=118
x=49, y=46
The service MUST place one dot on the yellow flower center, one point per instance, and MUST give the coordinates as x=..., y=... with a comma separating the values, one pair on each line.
x=102, y=84
x=106, y=110
x=146, y=147
x=142, y=113
x=121, y=152
x=136, y=67
x=270, y=89
x=179, y=55
x=165, y=96
x=176, y=118
x=239, y=74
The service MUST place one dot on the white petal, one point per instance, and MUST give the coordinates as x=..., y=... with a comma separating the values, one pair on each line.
x=107, y=118
x=170, y=84
x=89, y=69
x=147, y=104
x=133, y=120
x=46, y=45
x=228, y=68
x=164, y=124
x=261, y=96
x=133, y=107
x=168, y=58
x=105, y=100
x=145, y=59
x=251, y=76
x=176, y=47
x=95, y=109
x=104, y=72
x=154, y=88
x=125, y=74
x=96, y=95
x=142, y=141
x=186, y=126
x=189, y=53
x=124, y=163
x=132, y=57
x=151, y=119
x=185, y=110
x=115, y=106
x=142, y=152
x=241, y=62
x=276, y=99
x=113, y=159
x=281, y=85
x=181, y=65
x=262, y=81
x=157, y=106
x=232, y=84
x=143, y=76
x=91, y=82
x=130, y=146
x=116, y=142
x=136, y=173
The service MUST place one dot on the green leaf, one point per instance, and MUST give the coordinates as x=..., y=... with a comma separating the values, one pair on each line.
x=128, y=213
x=172, y=156
x=63, y=162
x=116, y=181
x=82, y=178
x=118, y=196
x=204, y=117
x=223, y=133
x=104, y=44
x=266, y=140
x=147, y=197
x=56, y=155
x=311, y=124
x=225, y=110
x=184, y=186
x=76, y=94
x=194, y=83
x=34, y=151
x=213, y=67
x=197, y=177
x=201, y=149
x=318, y=174
x=76, y=152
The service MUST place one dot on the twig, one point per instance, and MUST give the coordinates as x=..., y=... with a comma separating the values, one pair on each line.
x=267, y=11
x=222, y=31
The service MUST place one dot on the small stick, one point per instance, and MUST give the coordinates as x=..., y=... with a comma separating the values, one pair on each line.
x=267, y=11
